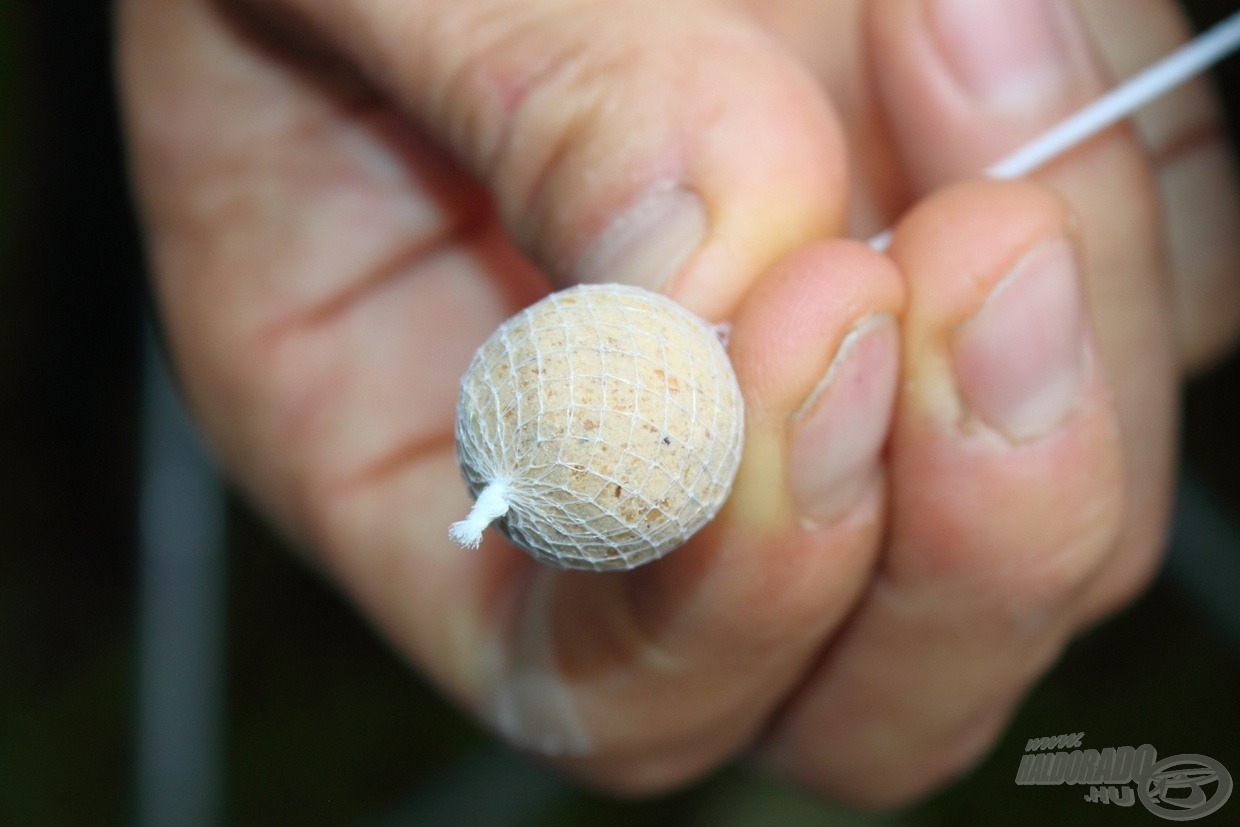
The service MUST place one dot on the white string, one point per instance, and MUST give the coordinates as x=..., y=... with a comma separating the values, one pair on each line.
x=491, y=504
x=1181, y=65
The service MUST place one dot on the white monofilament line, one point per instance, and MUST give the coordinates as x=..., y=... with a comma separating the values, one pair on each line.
x=1181, y=65
x=491, y=504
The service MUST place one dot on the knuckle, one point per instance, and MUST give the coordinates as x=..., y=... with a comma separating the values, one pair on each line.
x=525, y=75
x=529, y=104
x=1041, y=553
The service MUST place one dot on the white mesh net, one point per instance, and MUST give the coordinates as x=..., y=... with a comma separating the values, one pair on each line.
x=606, y=423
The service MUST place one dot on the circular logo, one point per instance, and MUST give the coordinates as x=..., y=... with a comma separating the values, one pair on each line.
x=1185, y=787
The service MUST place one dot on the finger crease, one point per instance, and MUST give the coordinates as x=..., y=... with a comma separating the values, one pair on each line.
x=383, y=468
x=375, y=278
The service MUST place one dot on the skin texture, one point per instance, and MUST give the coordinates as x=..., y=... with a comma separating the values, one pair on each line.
x=344, y=199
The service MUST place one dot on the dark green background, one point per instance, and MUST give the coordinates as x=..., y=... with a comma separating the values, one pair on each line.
x=325, y=725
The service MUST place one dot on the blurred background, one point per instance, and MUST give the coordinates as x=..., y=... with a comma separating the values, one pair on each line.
x=259, y=697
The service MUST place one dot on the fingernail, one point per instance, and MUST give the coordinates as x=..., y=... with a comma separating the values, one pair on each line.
x=1014, y=56
x=1021, y=359
x=649, y=243
x=840, y=429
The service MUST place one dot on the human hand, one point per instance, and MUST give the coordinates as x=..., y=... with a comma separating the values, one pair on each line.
x=325, y=271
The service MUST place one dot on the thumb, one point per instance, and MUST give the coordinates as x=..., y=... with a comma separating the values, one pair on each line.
x=668, y=145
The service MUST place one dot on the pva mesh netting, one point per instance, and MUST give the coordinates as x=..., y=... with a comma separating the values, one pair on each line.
x=600, y=428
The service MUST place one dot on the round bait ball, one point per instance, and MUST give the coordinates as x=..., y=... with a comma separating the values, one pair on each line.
x=598, y=429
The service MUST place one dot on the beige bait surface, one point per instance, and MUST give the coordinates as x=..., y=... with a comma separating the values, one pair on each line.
x=607, y=419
